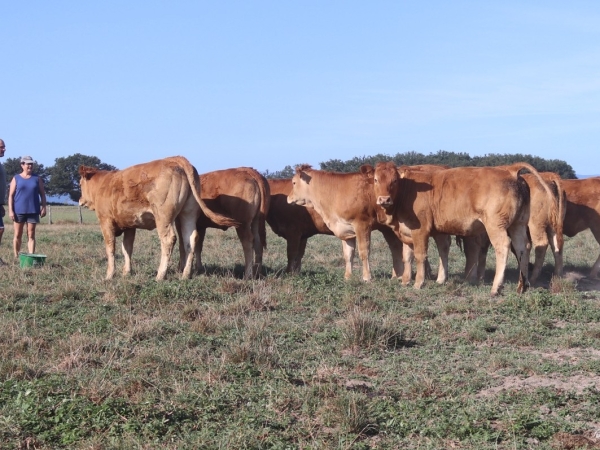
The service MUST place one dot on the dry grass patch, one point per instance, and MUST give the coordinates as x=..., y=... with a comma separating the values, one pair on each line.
x=365, y=330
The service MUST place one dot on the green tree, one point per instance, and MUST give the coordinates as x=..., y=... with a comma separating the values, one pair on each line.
x=64, y=174
x=453, y=160
x=287, y=172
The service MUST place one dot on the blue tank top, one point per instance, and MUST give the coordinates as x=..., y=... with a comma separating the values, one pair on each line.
x=27, y=195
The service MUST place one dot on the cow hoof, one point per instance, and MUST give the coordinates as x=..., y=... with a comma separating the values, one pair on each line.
x=522, y=287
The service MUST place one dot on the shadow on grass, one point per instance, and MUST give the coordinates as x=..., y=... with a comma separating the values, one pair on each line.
x=579, y=275
x=398, y=342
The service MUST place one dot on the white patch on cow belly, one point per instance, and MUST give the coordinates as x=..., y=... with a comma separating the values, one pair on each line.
x=341, y=228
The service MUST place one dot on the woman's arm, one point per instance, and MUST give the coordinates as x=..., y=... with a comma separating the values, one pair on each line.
x=11, y=198
x=43, y=197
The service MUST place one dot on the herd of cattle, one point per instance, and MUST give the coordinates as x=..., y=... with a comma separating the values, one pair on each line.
x=481, y=206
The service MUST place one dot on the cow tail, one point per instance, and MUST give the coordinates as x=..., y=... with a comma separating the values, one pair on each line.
x=265, y=203
x=558, y=220
x=554, y=211
x=194, y=180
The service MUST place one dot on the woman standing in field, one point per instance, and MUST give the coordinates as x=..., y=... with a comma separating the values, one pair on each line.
x=24, y=195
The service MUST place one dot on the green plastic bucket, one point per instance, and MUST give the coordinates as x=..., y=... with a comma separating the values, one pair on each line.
x=31, y=260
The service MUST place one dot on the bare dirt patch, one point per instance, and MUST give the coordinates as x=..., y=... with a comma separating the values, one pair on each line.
x=575, y=383
x=570, y=355
x=567, y=441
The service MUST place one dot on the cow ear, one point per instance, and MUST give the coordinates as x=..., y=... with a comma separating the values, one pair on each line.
x=305, y=177
x=403, y=171
x=367, y=169
x=87, y=172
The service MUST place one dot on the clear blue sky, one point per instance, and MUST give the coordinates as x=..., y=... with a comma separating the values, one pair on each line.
x=274, y=83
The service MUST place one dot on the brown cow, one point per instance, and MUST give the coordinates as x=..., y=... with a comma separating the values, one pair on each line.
x=386, y=217
x=463, y=201
x=583, y=210
x=292, y=222
x=346, y=202
x=545, y=227
x=243, y=195
x=296, y=224
x=147, y=196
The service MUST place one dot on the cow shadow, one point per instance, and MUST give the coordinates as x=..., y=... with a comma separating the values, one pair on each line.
x=239, y=271
x=212, y=270
x=578, y=275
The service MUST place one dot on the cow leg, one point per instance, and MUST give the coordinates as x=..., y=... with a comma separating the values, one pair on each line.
x=109, y=243
x=363, y=240
x=557, y=252
x=181, y=246
x=407, y=259
x=127, y=249
x=396, y=248
x=298, y=259
x=522, y=248
x=166, y=233
x=443, y=244
x=484, y=246
x=472, y=251
x=295, y=250
x=539, y=239
x=348, y=248
x=292, y=244
x=501, y=243
x=198, y=250
x=188, y=240
x=476, y=249
x=258, y=249
x=246, y=237
x=596, y=267
x=421, y=242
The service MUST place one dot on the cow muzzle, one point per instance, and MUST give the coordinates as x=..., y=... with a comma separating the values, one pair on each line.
x=384, y=200
x=295, y=201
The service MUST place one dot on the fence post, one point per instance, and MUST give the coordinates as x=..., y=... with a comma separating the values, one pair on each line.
x=80, y=215
x=49, y=207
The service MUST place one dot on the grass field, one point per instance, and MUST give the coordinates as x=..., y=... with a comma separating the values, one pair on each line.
x=307, y=361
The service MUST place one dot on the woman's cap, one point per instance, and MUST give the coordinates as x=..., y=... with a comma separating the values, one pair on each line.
x=27, y=159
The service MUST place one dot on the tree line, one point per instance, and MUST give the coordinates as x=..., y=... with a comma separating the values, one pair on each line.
x=62, y=179
x=440, y=158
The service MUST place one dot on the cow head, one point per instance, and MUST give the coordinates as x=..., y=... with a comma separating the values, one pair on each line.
x=86, y=198
x=386, y=182
x=300, y=194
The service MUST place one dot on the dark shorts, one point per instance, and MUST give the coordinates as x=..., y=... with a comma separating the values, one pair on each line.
x=1, y=223
x=29, y=218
